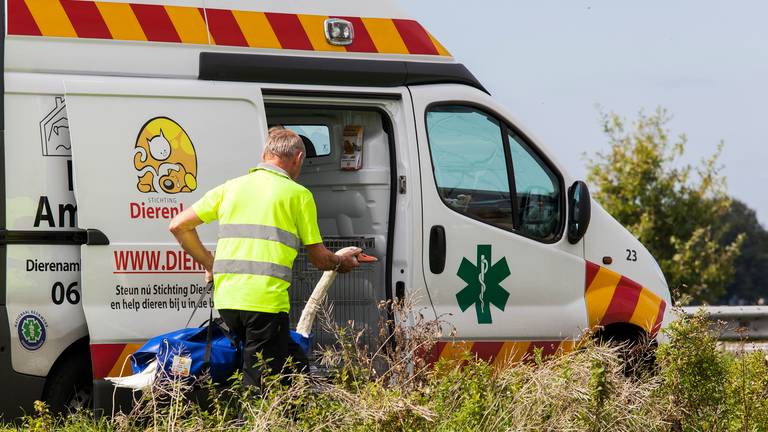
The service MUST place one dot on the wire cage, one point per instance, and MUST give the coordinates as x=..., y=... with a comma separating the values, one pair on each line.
x=352, y=296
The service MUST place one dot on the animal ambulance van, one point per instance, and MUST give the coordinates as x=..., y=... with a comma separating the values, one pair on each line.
x=118, y=115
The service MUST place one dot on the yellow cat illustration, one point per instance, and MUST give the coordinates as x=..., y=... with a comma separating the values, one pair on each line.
x=165, y=158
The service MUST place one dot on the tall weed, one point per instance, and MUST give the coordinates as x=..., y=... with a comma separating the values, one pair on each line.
x=695, y=386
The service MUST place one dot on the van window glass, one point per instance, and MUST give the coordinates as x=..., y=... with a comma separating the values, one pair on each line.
x=538, y=192
x=467, y=150
x=318, y=135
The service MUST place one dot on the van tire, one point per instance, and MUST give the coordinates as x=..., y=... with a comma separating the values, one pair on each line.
x=70, y=385
x=636, y=351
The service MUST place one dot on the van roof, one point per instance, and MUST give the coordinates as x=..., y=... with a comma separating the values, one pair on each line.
x=167, y=37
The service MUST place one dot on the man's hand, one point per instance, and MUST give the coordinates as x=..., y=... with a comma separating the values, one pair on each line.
x=183, y=226
x=208, y=277
x=348, y=262
x=326, y=260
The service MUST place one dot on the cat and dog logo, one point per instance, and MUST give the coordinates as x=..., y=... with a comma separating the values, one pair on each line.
x=164, y=158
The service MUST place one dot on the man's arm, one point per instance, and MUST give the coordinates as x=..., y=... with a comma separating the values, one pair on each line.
x=183, y=226
x=325, y=260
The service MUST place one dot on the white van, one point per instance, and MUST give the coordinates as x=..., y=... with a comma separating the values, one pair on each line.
x=118, y=115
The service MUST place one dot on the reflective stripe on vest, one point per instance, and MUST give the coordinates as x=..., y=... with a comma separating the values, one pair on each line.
x=260, y=232
x=257, y=268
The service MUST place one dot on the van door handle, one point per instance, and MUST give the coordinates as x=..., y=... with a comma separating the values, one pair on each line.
x=437, y=249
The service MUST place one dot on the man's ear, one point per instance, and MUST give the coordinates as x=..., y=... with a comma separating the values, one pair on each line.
x=300, y=157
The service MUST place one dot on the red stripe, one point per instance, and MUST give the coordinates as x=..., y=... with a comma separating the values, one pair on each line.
x=289, y=31
x=415, y=37
x=547, y=349
x=362, y=41
x=156, y=23
x=623, y=303
x=486, y=350
x=592, y=270
x=103, y=358
x=224, y=28
x=659, y=318
x=86, y=19
x=433, y=356
x=20, y=20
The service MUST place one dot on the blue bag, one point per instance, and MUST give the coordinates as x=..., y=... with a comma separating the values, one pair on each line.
x=303, y=341
x=190, y=352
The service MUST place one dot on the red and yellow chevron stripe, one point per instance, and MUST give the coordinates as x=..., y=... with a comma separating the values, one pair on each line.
x=208, y=26
x=613, y=298
x=497, y=353
x=610, y=298
x=111, y=360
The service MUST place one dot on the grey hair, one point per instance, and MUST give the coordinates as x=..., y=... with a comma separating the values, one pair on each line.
x=282, y=144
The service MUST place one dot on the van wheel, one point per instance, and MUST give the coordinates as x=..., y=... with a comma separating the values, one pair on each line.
x=635, y=349
x=70, y=385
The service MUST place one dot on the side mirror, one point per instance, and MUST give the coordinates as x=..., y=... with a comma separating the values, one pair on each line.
x=579, y=211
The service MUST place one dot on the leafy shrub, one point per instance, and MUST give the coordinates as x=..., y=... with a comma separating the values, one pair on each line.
x=696, y=387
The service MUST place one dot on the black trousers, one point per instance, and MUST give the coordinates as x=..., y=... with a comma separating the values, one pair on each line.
x=268, y=334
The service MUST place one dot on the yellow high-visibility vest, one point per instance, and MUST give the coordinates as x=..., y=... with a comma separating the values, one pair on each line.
x=264, y=217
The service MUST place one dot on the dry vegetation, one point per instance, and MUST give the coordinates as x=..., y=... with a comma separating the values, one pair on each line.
x=693, y=387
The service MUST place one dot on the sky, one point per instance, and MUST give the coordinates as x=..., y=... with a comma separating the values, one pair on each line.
x=553, y=63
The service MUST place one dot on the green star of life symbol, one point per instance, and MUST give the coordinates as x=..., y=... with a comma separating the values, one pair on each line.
x=31, y=330
x=483, y=284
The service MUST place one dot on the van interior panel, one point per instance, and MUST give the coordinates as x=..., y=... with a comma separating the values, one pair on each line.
x=352, y=208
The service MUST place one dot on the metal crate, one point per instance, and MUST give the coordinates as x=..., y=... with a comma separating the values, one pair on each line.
x=352, y=295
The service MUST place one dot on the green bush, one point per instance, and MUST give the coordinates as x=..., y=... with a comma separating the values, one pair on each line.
x=696, y=386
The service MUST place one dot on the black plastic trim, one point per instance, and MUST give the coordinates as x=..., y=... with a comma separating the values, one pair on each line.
x=331, y=94
x=330, y=71
x=3, y=250
x=400, y=291
x=109, y=399
x=95, y=237
x=390, y=131
x=36, y=237
x=437, y=248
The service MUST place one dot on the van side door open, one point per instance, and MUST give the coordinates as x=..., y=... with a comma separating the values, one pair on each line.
x=496, y=262
x=143, y=151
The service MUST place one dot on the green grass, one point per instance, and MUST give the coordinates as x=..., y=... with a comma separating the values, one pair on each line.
x=695, y=386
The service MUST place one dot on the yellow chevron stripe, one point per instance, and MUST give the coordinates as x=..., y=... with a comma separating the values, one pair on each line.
x=256, y=29
x=511, y=352
x=189, y=24
x=121, y=21
x=385, y=36
x=566, y=346
x=440, y=48
x=314, y=28
x=456, y=351
x=600, y=293
x=122, y=366
x=51, y=18
x=646, y=311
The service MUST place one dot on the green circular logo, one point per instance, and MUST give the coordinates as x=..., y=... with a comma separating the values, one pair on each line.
x=31, y=331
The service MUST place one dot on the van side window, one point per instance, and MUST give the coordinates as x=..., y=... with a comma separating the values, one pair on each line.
x=477, y=160
x=538, y=192
x=470, y=164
